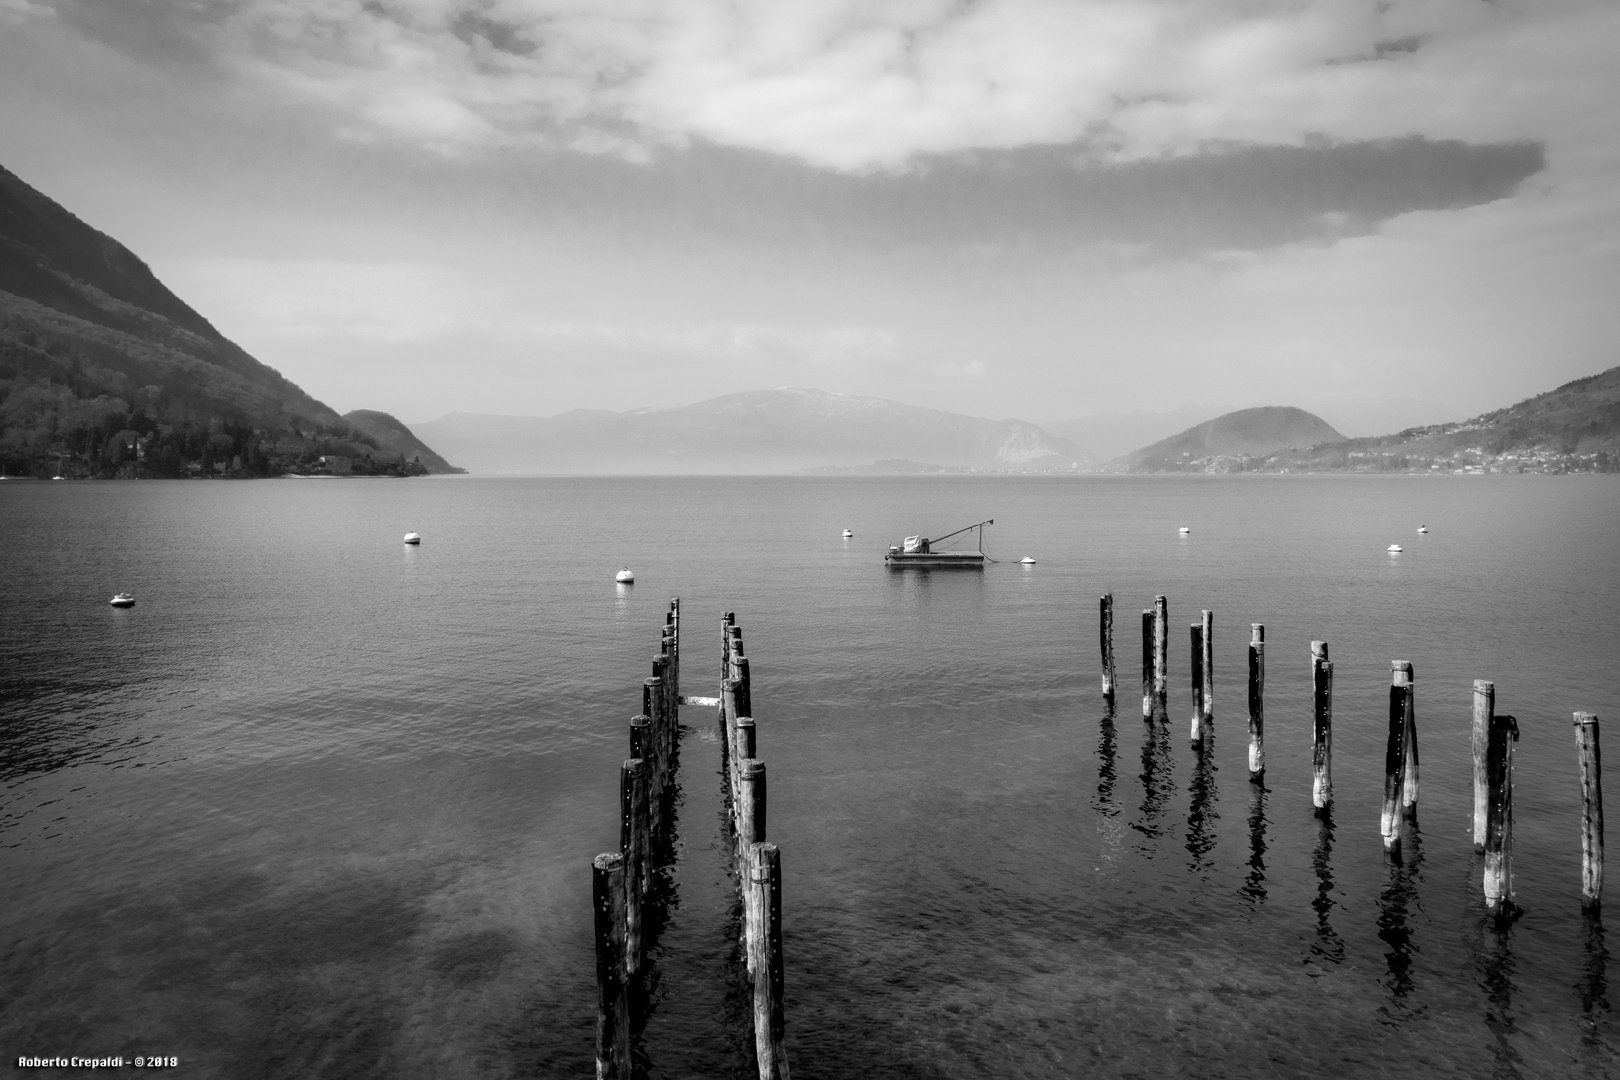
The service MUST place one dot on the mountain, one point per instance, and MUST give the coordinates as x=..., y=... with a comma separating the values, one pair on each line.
x=763, y=431
x=106, y=372
x=1573, y=428
x=1247, y=433
x=394, y=437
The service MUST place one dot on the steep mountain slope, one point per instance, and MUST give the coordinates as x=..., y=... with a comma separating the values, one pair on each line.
x=763, y=431
x=1242, y=434
x=394, y=437
x=106, y=371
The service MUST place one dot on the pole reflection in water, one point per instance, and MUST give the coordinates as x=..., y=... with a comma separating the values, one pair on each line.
x=1496, y=979
x=1394, y=904
x=1157, y=779
x=1594, y=985
x=1328, y=947
x=1202, y=816
x=1254, y=885
x=1109, y=825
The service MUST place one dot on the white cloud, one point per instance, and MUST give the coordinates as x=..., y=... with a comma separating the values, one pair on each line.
x=856, y=85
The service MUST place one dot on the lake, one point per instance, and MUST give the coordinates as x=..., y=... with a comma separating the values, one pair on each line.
x=324, y=805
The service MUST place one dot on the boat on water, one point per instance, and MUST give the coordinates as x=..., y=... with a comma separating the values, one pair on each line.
x=922, y=553
x=1027, y=560
x=1423, y=529
x=413, y=538
x=625, y=577
x=848, y=534
x=123, y=599
x=1393, y=548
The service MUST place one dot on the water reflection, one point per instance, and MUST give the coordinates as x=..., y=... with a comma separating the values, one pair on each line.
x=1496, y=979
x=1594, y=985
x=1202, y=816
x=1157, y=777
x=1107, y=766
x=1328, y=946
x=1399, y=897
x=1254, y=885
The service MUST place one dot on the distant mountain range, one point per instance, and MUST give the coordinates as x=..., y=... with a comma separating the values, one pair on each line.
x=763, y=431
x=1574, y=428
x=105, y=372
x=1246, y=433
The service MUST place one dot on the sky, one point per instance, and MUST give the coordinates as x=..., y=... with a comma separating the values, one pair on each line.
x=1388, y=212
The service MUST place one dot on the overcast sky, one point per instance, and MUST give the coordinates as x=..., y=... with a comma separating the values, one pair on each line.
x=1386, y=212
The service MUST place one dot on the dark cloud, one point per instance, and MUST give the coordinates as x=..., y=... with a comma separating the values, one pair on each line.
x=1246, y=197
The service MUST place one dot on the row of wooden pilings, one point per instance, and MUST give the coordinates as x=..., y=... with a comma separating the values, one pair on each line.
x=1493, y=736
x=624, y=882
x=758, y=862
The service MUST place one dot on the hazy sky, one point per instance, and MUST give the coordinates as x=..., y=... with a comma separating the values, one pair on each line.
x=1376, y=210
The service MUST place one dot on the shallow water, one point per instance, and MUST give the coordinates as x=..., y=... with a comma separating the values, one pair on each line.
x=324, y=805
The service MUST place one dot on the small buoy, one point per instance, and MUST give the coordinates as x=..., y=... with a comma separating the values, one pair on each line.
x=1423, y=528
x=1394, y=547
x=123, y=599
x=1027, y=561
x=848, y=534
x=1184, y=530
x=625, y=577
x=412, y=538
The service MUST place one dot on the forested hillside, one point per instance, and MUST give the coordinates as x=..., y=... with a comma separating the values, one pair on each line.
x=104, y=372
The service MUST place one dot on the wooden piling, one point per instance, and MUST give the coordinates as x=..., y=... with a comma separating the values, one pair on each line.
x=640, y=736
x=1196, y=733
x=1484, y=706
x=1208, y=667
x=1257, y=701
x=1321, y=727
x=1409, y=772
x=612, y=998
x=1498, y=876
x=745, y=737
x=1389, y=824
x=765, y=901
x=745, y=693
x=635, y=846
x=1147, y=662
x=1161, y=649
x=1591, y=765
x=652, y=703
x=728, y=733
x=1105, y=611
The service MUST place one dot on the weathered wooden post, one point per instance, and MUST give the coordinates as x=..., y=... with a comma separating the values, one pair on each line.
x=750, y=811
x=1484, y=706
x=1321, y=727
x=1400, y=689
x=635, y=846
x=1196, y=734
x=728, y=733
x=1498, y=876
x=652, y=703
x=1208, y=666
x=1591, y=763
x=765, y=897
x=612, y=998
x=1161, y=649
x=745, y=694
x=1257, y=701
x=640, y=734
x=1409, y=785
x=1105, y=606
x=745, y=737
x=1147, y=662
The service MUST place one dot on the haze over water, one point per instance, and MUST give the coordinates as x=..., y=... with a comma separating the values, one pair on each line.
x=324, y=805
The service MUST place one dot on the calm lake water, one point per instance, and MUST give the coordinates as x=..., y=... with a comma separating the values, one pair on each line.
x=323, y=805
